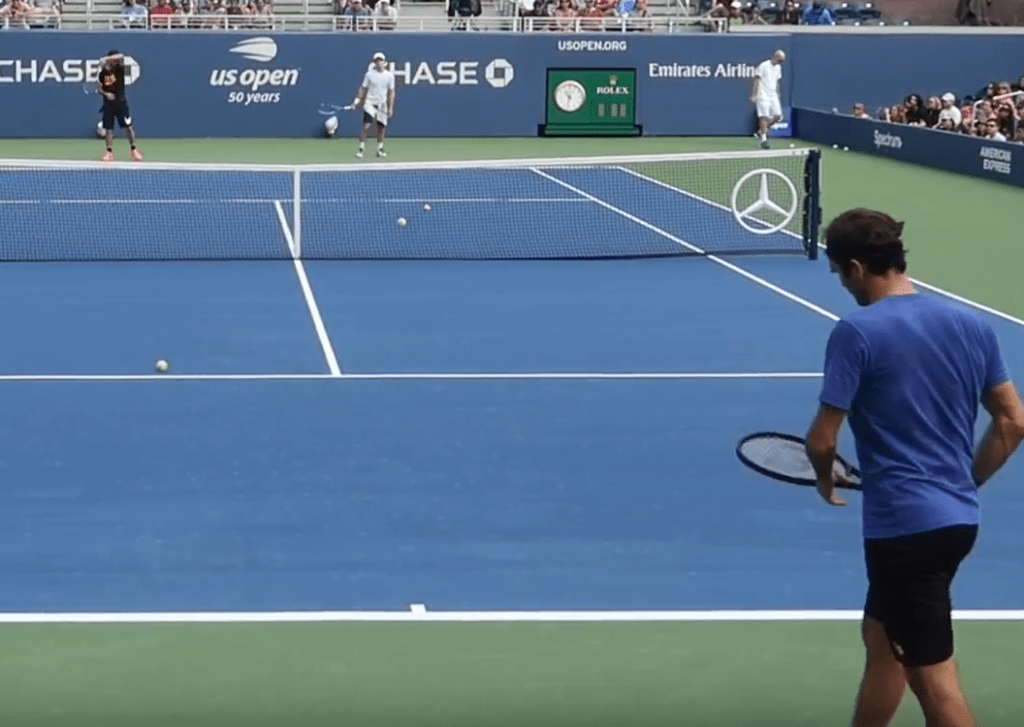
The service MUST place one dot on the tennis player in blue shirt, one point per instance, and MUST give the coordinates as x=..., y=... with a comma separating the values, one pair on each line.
x=909, y=371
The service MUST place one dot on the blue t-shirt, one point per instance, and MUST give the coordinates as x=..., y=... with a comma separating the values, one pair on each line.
x=910, y=371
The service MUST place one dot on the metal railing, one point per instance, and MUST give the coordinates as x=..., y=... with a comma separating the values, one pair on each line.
x=375, y=23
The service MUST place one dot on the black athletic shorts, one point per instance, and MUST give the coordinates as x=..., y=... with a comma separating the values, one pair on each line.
x=367, y=119
x=116, y=110
x=909, y=580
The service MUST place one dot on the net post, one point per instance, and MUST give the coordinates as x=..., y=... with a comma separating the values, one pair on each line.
x=812, y=200
x=297, y=212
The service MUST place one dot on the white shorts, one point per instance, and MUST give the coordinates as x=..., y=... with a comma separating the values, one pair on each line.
x=768, y=108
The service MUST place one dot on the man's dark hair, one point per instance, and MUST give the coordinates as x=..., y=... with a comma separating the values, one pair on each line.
x=870, y=237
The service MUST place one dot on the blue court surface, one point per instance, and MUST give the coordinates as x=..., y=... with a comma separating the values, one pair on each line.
x=497, y=435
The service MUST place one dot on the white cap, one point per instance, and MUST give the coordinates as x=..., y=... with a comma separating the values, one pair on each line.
x=948, y=97
x=377, y=55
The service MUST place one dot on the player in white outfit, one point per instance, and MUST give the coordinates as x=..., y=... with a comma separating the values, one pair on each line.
x=377, y=97
x=765, y=94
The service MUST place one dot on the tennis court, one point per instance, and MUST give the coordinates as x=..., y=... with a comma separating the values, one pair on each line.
x=476, y=469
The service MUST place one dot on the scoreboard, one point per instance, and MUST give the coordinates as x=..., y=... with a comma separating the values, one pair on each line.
x=590, y=102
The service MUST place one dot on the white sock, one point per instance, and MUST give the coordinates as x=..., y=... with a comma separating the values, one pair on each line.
x=362, y=145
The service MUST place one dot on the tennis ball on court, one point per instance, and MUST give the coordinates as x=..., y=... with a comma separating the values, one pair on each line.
x=426, y=207
x=835, y=146
x=792, y=146
x=846, y=148
x=401, y=222
x=161, y=365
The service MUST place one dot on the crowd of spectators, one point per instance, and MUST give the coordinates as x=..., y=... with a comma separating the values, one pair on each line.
x=365, y=15
x=235, y=14
x=29, y=13
x=791, y=12
x=584, y=15
x=995, y=113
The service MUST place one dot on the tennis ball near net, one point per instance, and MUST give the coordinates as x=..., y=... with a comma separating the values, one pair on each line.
x=162, y=365
x=401, y=222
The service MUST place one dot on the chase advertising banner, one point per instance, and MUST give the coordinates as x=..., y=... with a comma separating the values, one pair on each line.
x=959, y=153
x=284, y=85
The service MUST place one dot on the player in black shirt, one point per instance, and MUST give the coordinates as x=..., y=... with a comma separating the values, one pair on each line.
x=110, y=84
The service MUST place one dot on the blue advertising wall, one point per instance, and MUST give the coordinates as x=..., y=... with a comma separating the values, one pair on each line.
x=836, y=70
x=959, y=153
x=211, y=84
x=470, y=84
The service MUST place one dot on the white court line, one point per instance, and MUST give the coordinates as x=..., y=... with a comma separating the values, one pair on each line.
x=916, y=281
x=419, y=613
x=758, y=376
x=325, y=200
x=307, y=292
x=735, y=268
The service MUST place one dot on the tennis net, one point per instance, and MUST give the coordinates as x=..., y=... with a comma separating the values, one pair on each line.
x=755, y=202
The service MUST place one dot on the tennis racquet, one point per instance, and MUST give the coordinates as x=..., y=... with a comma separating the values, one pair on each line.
x=783, y=457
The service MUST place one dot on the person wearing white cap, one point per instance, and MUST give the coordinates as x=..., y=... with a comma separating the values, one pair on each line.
x=765, y=94
x=949, y=111
x=377, y=97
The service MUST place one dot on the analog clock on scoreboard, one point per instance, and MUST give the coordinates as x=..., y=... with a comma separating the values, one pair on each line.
x=590, y=102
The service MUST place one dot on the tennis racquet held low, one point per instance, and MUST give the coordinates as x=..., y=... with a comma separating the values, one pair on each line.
x=784, y=457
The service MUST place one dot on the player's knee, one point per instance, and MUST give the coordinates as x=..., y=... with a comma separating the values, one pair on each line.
x=935, y=684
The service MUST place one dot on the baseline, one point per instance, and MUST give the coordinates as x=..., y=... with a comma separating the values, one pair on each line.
x=418, y=612
x=668, y=375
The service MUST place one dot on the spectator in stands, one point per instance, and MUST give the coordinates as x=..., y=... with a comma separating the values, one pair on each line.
x=736, y=16
x=386, y=15
x=818, y=14
x=992, y=130
x=16, y=11
x=565, y=16
x=950, y=114
x=463, y=12
x=859, y=112
x=895, y=114
x=913, y=109
x=134, y=14
x=930, y=114
x=1007, y=118
x=590, y=17
x=754, y=16
x=355, y=15
x=160, y=14
x=790, y=14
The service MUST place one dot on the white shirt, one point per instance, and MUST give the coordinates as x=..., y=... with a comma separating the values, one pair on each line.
x=953, y=114
x=768, y=75
x=377, y=84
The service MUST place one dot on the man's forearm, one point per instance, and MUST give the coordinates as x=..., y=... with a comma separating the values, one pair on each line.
x=1000, y=441
x=823, y=457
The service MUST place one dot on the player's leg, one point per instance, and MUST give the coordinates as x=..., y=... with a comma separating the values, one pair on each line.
x=108, y=126
x=763, y=114
x=884, y=682
x=920, y=625
x=381, y=131
x=776, y=112
x=938, y=689
x=367, y=120
x=124, y=118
